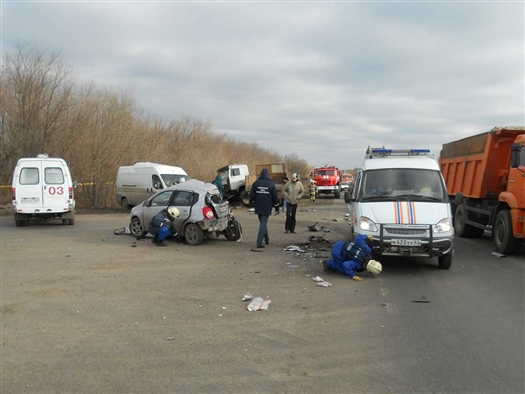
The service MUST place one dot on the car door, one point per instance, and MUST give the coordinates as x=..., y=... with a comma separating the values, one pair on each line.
x=154, y=205
x=183, y=201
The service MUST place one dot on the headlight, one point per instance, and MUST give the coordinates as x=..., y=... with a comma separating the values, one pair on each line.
x=366, y=224
x=444, y=226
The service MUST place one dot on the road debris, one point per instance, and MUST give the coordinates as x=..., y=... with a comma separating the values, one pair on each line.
x=324, y=284
x=169, y=338
x=316, y=227
x=498, y=255
x=318, y=279
x=423, y=300
x=247, y=297
x=258, y=304
x=294, y=248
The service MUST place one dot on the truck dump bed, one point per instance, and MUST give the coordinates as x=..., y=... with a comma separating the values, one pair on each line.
x=478, y=166
x=277, y=173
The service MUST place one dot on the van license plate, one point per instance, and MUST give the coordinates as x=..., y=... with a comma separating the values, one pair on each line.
x=406, y=242
x=30, y=200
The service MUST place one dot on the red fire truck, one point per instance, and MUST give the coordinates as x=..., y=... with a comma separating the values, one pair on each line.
x=328, y=180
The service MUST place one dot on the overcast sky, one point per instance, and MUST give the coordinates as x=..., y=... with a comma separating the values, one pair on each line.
x=323, y=80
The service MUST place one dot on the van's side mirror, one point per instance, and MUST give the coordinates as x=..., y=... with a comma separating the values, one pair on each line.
x=75, y=184
x=348, y=197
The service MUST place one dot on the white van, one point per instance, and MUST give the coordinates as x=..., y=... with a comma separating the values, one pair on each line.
x=43, y=189
x=399, y=197
x=138, y=182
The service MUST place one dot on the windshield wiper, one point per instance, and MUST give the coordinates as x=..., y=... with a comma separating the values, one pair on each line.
x=419, y=196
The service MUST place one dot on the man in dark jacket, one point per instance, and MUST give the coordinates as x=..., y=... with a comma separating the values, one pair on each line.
x=263, y=195
x=162, y=226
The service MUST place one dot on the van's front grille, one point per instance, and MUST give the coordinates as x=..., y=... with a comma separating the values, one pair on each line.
x=406, y=231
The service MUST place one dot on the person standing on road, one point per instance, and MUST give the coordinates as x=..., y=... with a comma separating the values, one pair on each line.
x=292, y=192
x=350, y=257
x=162, y=226
x=312, y=188
x=263, y=195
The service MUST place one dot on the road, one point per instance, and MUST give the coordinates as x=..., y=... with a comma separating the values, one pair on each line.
x=83, y=310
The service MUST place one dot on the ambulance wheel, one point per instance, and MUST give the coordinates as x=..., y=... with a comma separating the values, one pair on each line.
x=445, y=261
x=193, y=234
x=71, y=222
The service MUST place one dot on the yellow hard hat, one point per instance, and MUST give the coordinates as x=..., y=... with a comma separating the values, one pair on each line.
x=174, y=212
x=374, y=267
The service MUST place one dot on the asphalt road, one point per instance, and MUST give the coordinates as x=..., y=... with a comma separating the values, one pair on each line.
x=82, y=310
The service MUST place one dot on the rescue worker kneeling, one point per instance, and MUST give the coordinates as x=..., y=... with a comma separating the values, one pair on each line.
x=351, y=257
x=162, y=226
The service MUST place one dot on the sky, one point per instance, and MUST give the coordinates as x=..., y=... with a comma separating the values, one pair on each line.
x=321, y=80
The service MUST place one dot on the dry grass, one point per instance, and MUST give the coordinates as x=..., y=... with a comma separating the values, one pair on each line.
x=98, y=130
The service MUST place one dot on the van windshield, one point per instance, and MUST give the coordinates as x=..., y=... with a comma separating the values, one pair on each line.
x=402, y=184
x=173, y=179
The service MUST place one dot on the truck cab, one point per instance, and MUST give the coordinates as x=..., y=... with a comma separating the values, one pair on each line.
x=234, y=180
x=399, y=197
x=328, y=180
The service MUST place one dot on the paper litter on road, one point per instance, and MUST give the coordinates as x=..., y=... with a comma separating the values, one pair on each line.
x=294, y=248
x=318, y=279
x=258, y=304
x=324, y=284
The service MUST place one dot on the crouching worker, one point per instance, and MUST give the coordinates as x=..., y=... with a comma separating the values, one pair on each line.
x=351, y=257
x=162, y=226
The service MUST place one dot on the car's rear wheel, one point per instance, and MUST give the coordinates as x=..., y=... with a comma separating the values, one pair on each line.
x=65, y=221
x=193, y=234
x=233, y=232
x=71, y=222
x=136, y=228
x=19, y=223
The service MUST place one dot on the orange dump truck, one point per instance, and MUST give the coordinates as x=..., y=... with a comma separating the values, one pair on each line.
x=485, y=178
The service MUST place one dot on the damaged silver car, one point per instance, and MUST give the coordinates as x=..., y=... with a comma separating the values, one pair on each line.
x=203, y=214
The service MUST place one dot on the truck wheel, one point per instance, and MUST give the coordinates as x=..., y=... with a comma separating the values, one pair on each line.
x=233, y=232
x=462, y=229
x=193, y=234
x=503, y=235
x=136, y=229
x=124, y=203
x=445, y=261
x=337, y=194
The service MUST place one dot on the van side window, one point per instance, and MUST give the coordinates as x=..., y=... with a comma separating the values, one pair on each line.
x=161, y=200
x=53, y=176
x=29, y=176
x=182, y=198
x=236, y=172
x=157, y=184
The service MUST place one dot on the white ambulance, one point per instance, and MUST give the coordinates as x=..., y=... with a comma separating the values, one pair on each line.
x=43, y=189
x=400, y=198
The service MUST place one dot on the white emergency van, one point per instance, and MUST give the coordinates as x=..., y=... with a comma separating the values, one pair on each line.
x=138, y=182
x=43, y=189
x=399, y=197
